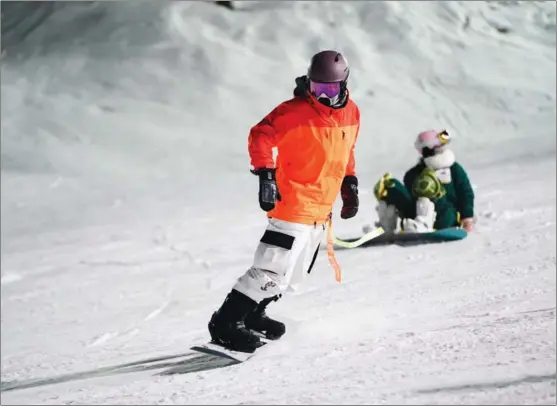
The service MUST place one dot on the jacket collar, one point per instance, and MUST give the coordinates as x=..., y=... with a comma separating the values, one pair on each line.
x=445, y=159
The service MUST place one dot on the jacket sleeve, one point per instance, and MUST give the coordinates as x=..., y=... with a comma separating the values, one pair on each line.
x=351, y=166
x=464, y=191
x=266, y=135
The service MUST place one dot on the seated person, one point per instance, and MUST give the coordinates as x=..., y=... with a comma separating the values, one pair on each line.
x=436, y=192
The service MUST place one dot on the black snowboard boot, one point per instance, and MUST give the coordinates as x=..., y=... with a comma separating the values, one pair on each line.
x=227, y=324
x=258, y=321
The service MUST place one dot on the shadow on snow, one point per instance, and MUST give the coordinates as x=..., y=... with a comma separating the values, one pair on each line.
x=171, y=364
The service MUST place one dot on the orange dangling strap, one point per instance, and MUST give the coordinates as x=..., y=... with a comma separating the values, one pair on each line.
x=331, y=252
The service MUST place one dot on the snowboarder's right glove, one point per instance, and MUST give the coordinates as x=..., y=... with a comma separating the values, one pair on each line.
x=268, y=191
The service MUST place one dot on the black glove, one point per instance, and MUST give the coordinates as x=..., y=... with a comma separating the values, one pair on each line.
x=301, y=86
x=268, y=191
x=349, y=194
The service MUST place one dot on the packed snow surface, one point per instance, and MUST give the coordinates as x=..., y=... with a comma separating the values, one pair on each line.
x=128, y=210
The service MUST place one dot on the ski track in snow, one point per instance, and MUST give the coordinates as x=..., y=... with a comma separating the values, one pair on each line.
x=128, y=211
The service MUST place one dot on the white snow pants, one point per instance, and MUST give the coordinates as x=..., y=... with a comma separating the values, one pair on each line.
x=282, y=260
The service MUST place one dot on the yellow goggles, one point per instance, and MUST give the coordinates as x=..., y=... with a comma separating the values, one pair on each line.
x=443, y=136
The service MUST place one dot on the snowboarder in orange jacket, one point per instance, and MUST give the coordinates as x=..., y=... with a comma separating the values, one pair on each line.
x=314, y=133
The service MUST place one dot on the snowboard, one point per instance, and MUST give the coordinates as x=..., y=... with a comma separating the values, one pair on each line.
x=218, y=350
x=382, y=238
x=357, y=242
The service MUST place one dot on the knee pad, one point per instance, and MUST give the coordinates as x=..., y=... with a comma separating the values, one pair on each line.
x=428, y=185
x=382, y=185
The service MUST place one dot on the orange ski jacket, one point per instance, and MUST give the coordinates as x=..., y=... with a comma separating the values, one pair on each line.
x=315, y=145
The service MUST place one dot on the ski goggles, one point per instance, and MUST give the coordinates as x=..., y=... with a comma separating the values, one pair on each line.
x=443, y=137
x=432, y=140
x=329, y=90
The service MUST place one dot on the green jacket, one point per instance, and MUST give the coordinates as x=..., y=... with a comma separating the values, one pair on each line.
x=459, y=191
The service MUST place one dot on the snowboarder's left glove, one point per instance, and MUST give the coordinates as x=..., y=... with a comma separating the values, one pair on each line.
x=268, y=191
x=349, y=194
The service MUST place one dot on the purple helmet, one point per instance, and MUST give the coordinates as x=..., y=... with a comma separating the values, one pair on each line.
x=327, y=76
x=327, y=67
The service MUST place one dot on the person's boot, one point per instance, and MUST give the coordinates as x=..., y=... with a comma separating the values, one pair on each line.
x=258, y=321
x=227, y=324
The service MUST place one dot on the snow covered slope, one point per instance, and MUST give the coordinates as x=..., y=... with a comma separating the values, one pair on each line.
x=128, y=209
